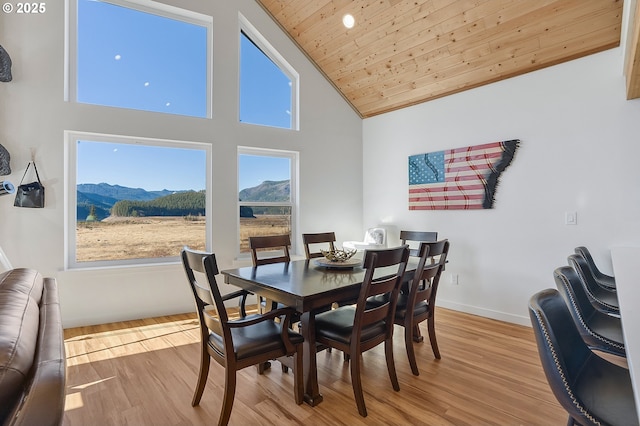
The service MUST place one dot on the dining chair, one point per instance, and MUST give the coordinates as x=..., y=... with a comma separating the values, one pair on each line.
x=604, y=299
x=357, y=328
x=592, y=389
x=603, y=279
x=417, y=303
x=407, y=237
x=277, y=247
x=598, y=329
x=326, y=239
x=236, y=343
x=420, y=303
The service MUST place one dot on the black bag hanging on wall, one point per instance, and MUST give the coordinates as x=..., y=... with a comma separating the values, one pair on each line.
x=30, y=194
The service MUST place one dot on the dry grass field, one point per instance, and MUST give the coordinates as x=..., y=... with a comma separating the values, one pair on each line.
x=150, y=237
x=136, y=238
x=262, y=225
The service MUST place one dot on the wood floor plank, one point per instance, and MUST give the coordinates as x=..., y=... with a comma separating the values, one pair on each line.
x=143, y=373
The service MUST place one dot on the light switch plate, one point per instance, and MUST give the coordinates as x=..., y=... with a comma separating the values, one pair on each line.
x=571, y=218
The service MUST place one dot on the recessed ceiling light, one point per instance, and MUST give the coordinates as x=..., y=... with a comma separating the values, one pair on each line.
x=348, y=20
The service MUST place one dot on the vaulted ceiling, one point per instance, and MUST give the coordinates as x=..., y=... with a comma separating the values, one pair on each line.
x=404, y=52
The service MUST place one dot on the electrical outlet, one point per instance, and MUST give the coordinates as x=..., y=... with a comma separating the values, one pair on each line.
x=454, y=279
x=571, y=218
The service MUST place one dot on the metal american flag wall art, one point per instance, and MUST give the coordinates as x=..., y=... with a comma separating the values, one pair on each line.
x=458, y=179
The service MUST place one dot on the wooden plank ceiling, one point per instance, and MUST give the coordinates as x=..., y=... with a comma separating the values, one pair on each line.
x=404, y=52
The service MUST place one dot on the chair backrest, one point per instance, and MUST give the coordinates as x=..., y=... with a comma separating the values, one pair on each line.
x=562, y=351
x=586, y=254
x=407, y=237
x=378, y=283
x=599, y=276
x=279, y=243
x=326, y=238
x=212, y=314
x=571, y=288
x=425, y=284
x=583, y=311
x=589, y=283
x=376, y=236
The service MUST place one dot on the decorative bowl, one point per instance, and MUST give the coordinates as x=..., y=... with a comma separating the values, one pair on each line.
x=338, y=255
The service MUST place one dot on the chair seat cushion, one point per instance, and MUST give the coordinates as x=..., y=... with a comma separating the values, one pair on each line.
x=255, y=339
x=401, y=307
x=606, y=390
x=608, y=297
x=337, y=325
x=607, y=327
x=607, y=281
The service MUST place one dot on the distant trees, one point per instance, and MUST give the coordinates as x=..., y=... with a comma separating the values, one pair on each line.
x=178, y=204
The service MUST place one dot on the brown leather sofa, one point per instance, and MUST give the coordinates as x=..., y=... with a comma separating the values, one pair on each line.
x=32, y=355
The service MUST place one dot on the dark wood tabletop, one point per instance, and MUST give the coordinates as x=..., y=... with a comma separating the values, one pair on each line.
x=301, y=284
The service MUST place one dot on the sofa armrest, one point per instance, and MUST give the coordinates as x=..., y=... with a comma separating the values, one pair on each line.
x=43, y=403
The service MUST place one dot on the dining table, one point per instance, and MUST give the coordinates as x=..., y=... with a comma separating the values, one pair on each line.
x=309, y=286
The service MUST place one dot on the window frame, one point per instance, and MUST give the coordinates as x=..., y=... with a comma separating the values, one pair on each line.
x=293, y=156
x=71, y=160
x=270, y=52
x=147, y=6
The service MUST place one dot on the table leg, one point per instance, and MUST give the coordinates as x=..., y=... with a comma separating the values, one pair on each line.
x=417, y=335
x=312, y=395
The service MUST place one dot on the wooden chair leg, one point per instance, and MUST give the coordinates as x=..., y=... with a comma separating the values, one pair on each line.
x=356, y=383
x=391, y=366
x=417, y=336
x=202, y=377
x=431, y=324
x=263, y=366
x=229, y=394
x=298, y=376
x=408, y=343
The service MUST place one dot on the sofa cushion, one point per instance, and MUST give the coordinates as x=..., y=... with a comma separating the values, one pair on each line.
x=20, y=295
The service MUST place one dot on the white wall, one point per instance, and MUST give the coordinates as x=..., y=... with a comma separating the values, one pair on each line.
x=579, y=152
x=33, y=114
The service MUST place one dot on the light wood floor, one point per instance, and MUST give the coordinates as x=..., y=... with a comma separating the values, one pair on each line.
x=144, y=372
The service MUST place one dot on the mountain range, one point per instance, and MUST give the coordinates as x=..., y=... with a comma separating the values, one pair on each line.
x=268, y=190
x=103, y=196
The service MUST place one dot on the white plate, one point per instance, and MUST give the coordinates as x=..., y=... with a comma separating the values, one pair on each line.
x=350, y=263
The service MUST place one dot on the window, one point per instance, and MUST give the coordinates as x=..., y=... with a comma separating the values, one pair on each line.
x=134, y=200
x=128, y=54
x=268, y=84
x=266, y=193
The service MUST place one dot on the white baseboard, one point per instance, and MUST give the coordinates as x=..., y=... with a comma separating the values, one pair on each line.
x=483, y=312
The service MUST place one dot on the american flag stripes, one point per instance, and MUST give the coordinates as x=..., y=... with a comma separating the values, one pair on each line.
x=456, y=179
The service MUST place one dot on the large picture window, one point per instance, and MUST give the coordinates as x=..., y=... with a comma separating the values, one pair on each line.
x=266, y=193
x=268, y=84
x=128, y=54
x=135, y=200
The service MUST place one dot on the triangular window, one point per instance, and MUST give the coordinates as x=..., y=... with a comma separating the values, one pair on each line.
x=268, y=85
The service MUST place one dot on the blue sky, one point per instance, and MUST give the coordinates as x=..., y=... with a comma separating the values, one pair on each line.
x=132, y=59
x=137, y=60
x=254, y=170
x=135, y=166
